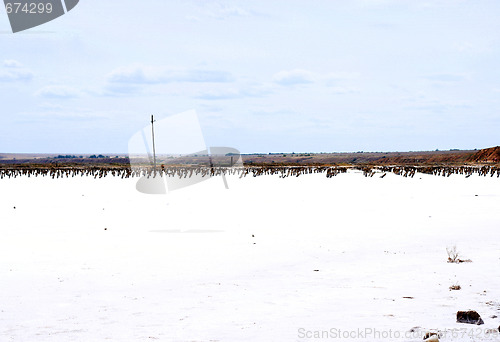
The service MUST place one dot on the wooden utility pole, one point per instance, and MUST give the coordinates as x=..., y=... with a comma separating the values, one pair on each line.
x=154, y=151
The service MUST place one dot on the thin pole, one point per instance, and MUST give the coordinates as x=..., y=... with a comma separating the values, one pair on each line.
x=153, y=134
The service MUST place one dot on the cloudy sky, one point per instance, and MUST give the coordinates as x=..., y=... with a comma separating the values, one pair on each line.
x=263, y=76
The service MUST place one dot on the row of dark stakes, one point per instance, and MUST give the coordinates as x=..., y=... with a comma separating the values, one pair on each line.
x=282, y=171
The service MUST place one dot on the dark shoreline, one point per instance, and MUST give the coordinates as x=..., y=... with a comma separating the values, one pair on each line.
x=483, y=162
x=452, y=157
x=244, y=171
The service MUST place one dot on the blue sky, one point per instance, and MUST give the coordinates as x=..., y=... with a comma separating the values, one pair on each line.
x=263, y=76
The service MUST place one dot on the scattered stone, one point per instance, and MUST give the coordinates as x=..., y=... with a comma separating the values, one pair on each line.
x=105, y=228
x=458, y=261
x=408, y=297
x=14, y=207
x=455, y=287
x=494, y=316
x=492, y=303
x=316, y=270
x=431, y=337
x=430, y=334
x=469, y=317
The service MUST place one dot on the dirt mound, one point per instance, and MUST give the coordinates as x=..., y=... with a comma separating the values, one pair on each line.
x=489, y=155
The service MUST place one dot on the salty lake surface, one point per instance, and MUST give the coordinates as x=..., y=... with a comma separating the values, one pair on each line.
x=269, y=259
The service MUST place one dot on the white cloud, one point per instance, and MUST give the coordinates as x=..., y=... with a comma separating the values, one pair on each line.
x=333, y=78
x=50, y=106
x=49, y=111
x=438, y=105
x=227, y=94
x=159, y=75
x=14, y=71
x=11, y=63
x=222, y=11
x=58, y=92
x=192, y=18
x=344, y=90
x=275, y=112
x=234, y=93
x=294, y=77
x=119, y=90
x=447, y=77
x=302, y=77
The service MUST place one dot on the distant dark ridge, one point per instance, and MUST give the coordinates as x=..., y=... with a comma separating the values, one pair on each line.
x=428, y=158
x=63, y=161
x=452, y=157
x=487, y=155
x=282, y=171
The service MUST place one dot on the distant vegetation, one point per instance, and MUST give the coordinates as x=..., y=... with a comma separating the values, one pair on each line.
x=67, y=157
x=485, y=157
